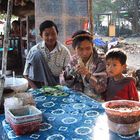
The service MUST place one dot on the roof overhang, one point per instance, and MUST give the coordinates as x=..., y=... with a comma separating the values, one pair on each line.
x=21, y=8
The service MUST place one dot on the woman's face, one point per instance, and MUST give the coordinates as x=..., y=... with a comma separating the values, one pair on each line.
x=84, y=50
x=49, y=35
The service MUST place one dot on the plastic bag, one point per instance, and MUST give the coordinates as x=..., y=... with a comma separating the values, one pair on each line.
x=18, y=101
x=27, y=98
x=12, y=103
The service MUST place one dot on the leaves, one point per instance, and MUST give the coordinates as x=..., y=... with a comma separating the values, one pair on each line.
x=127, y=9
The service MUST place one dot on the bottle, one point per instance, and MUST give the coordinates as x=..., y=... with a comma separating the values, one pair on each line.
x=61, y=78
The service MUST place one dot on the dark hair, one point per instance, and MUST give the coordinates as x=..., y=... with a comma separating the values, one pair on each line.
x=47, y=24
x=117, y=54
x=80, y=36
x=16, y=22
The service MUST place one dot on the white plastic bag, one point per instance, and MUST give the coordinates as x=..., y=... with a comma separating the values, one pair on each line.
x=12, y=103
x=27, y=98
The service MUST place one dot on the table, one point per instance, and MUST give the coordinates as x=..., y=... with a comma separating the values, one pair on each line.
x=68, y=115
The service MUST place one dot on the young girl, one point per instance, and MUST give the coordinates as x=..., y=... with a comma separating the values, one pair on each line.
x=86, y=71
x=118, y=85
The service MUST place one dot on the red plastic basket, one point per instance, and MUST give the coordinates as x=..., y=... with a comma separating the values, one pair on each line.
x=24, y=120
x=25, y=128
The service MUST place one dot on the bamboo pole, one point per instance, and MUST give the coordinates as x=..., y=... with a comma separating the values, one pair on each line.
x=90, y=14
x=5, y=47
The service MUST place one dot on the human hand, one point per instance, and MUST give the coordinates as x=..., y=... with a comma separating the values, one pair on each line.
x=82, y=70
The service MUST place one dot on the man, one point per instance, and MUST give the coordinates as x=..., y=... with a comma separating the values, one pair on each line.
x=46, y=60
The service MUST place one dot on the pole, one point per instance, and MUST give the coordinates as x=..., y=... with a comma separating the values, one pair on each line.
x=90, y=14
x=5, y=47
x=6, y=36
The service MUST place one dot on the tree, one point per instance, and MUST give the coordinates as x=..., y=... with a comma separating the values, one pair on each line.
x=2, y=16
x=127, y=9
x=132, y=8
x=101, y=6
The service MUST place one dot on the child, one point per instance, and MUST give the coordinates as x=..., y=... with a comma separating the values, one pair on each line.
x=119, y=86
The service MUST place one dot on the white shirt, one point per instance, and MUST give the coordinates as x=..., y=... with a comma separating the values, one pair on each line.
x=57, y=59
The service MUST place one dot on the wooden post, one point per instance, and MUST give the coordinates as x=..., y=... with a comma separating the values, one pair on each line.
x=90, y=13
x=5, y=47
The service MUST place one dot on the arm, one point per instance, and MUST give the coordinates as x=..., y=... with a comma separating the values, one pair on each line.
x=68, y=76
x=31, y=83
x=132, y=91
x=71, y=75
x=26, y=71
x=96, y=80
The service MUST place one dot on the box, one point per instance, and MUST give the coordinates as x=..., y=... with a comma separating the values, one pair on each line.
x=24, y=120
x=18, y=101
x=112, y=30
x=25, y=128
x=24, y=114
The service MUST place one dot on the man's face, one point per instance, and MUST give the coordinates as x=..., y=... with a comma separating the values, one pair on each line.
x=114, y=67
x=84, y=50
x=49, y=35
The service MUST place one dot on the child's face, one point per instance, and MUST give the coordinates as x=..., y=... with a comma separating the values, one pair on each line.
x=114, y=68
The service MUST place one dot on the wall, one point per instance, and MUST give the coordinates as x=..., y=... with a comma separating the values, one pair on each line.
x=69, y=15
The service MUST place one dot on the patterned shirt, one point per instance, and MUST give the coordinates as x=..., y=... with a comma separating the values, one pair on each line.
x=57, y=59
x=97, y=82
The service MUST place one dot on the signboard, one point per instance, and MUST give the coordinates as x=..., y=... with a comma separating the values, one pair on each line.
x=112, y=31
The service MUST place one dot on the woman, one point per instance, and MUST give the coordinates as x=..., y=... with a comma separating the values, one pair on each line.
x=86, y=71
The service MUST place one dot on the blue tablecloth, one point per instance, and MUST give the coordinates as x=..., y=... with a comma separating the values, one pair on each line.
x=68, y=115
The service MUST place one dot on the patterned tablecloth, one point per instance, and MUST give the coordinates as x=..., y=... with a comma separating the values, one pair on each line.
x=68, y=115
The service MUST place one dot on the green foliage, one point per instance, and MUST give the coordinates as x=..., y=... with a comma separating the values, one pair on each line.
x=102, y=6
x=2, y=16
x=127, y=9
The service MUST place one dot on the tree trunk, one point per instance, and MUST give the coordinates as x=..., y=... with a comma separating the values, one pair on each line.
x=135, y=24
x=5, y=48
x=90, y=13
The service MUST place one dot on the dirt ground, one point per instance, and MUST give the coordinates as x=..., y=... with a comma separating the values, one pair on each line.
x=133, y=54
x=133, y=60
x=132, y=48
x=133, y=51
